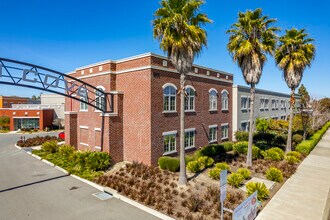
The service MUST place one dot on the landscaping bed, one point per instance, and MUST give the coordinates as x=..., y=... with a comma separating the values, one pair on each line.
x=36, y=141
x=87, y=164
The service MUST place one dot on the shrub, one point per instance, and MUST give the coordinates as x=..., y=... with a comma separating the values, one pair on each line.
x=241, y=136
x=295, y=154
x=267, y=138
x=280, y=140
x=214, y=173
x=305, y=147
x=66, y=150
x=205, y=161
x=194, y=166
x=235, y=179
x=274, y=174
x=50, y=146
x=241, y=147
x=36, y=141
x=292, y=159
x=245, y=173
x=189, y=158
x=256, y=152
x=275, y=154
x=211, y=150
x=169, y=163
x=97, y=161
x=262, y=125
x=222, y=166
x=262, y=191
x=228, y=146
x=297, y=138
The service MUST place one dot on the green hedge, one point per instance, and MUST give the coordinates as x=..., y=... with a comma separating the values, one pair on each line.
x=169, y=163
x=305, y=147
x=211, y=150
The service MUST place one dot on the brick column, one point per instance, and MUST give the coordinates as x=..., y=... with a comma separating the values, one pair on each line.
x=71, y=135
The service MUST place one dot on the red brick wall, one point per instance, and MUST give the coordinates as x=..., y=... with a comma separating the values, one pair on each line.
x=137, y=115
x=200, y=119
x=71, y=127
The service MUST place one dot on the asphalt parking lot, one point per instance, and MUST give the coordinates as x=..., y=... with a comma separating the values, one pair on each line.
x=30, y=189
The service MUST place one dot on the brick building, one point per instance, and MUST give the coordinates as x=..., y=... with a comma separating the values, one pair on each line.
x=145, y=122
x=28, y=118
x=8, y=101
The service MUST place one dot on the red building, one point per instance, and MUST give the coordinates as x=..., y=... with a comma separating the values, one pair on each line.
x=28, y=118
x=145, y=123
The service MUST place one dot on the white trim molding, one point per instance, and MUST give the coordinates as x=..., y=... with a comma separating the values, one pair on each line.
x=169, y=133
x=189, y=129
x=84, y=144
x=83, y=127
x=225, y=124
x=97, y=129
x=213, y=89
x=213, y=126
x=169, y=84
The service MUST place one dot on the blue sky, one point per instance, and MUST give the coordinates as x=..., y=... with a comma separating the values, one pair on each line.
x=63, y=35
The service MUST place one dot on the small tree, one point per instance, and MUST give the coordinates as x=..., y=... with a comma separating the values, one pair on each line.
x=262, y=125
x=304, y=109
x=4, y=122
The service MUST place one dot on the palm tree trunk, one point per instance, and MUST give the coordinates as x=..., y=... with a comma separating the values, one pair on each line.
x=182, y=176
x=289, y=141
x=249, y=152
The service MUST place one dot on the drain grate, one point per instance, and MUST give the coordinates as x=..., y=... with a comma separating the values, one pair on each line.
x=102, y=195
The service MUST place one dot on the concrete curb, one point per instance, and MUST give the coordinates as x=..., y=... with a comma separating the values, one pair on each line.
x=47, y=162
x=61, y=169
x=18, y=147
x=108, y=190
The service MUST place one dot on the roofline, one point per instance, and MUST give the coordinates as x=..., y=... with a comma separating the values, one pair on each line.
x=264, y=90
x=138, y=57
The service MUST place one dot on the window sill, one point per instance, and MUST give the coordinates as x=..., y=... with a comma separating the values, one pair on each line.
x=169, y=112
x=189, y=111
x=188, y=148
x=213, y=110
x=225, y=110
x=213, y=142
x=168, y=153
x=84, y=144
x=224, y=138
x=83, y=110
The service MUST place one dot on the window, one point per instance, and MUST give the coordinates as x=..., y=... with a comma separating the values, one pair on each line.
x=224, y=131
x=100, y=99
x=189, y=138
x=83, y=106
x=245, y=125
x=213, y=133
x=244, y=102
x=224, y=98
x=249, y=103
x=169, y=102
x=213, y=99
x=282, y=104
x=277, y=104
x=266, y=105
x=262, y=103
x=273, y=103
x=190, y=100
x=169, y=143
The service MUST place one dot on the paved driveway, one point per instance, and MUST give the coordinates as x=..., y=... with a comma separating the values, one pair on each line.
x=30, y=189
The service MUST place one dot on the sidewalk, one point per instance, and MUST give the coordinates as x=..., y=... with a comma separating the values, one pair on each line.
x=306, y=194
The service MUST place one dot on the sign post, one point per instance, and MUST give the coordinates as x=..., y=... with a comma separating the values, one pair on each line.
x=223, y=189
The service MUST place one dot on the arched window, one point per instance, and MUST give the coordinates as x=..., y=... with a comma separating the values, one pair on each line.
x=99, y=98
x=190, y=99
x=224, y=98
x=213, y=99
x=169, y=94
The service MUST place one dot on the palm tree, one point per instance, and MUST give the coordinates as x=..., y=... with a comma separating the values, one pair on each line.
x=294, y=53
x=178, y=27
x=251, y=38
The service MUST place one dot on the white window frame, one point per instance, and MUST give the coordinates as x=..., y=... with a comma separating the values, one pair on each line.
x=191, y=141
x=83, y=106
x=266, y=103
x=244, y=107
x=262, y=103
x=215, y=136
x=273, y=104
x=224, y=100
x=173, y=134
x=169, y=96
x=189, y=101
x=213, y=100
x=99, y=99
x=226, y=130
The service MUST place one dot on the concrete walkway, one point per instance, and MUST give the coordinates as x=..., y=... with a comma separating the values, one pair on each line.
x=306, y=194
